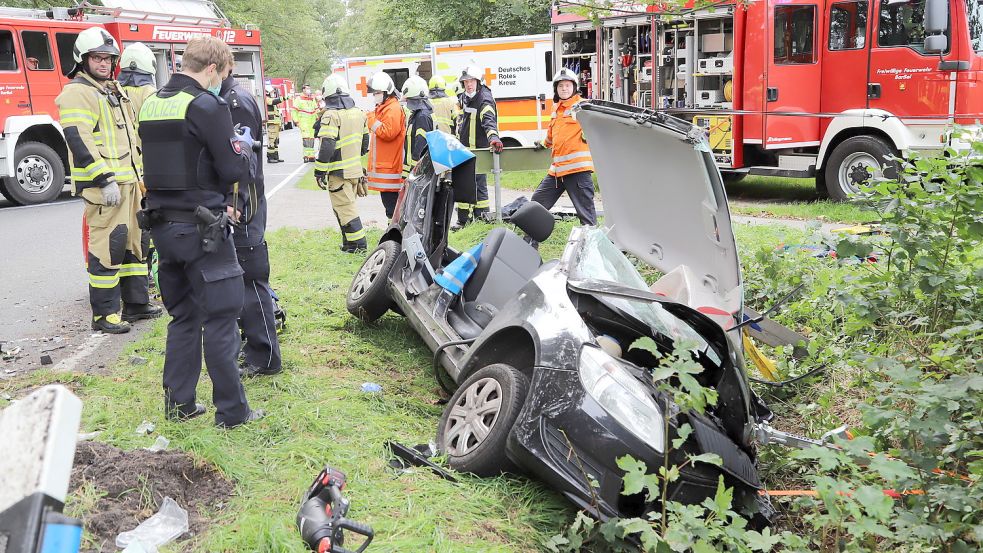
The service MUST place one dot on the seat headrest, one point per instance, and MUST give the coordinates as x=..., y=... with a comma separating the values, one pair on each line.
x=534, y=220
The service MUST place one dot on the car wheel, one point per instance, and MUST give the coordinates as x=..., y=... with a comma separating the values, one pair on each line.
x=368, y=297
x=39, y=175
x=854, y=162
x=731, y=177
x=478, y=418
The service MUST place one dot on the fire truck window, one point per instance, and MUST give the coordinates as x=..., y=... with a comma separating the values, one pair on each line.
x=65, y=42
x=795, y=34
x=37, y=50
x=8, y=61
x=900, y=23
x=974, y=14
x=847, y=25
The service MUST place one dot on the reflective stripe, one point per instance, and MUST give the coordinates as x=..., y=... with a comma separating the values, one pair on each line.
x=571, y=168
x=337, y=165
x=132, y=269
x=376, y=125
x=421, y=132
x=70, y=116
x=383, y=176
x=385, y=187
x=559, y=159
x=485, y=110
x=329, y=132
x=357, y=235
x=90, y=171
x=459, y=205
x=104, y=281
x=482, y=204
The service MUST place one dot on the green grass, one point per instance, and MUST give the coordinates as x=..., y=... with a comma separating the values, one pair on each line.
x=791, y=198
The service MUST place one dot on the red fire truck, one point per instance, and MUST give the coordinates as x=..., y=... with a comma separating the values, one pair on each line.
x=36, y=54
x=801, y=88
x=285, y=87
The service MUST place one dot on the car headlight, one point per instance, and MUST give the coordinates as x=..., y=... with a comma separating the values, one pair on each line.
x=622, y=396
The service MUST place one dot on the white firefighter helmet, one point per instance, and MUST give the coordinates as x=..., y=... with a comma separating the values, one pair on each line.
x=269, y=89
x=565, y=74
x=382, y=82
x=470, y=72
x=415, y=87
x=334, y=84
x=93, y=40
x=138, y=57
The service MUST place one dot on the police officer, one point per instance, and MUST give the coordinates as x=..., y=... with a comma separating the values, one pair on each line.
x=193, y=159
x=477, y=127
x=338, y=169
x=262, y=349
x=444, y=107
x=273, y=122
x=419, y=122
x=98, y=122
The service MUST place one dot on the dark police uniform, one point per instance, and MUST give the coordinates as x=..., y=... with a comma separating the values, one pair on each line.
x=192, y=160
x=262, y=348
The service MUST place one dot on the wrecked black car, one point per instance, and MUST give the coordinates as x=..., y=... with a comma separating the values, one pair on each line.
x=544, y=379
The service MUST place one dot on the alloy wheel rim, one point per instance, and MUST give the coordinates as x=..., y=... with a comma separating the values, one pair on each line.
x=473, y=416
x=367, y=274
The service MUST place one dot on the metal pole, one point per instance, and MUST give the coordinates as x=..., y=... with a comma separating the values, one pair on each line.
x=497, y=171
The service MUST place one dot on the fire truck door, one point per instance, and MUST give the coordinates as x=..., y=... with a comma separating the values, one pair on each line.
x=903, y=80
x=43, y=78
x=845, y=48
x=794, y=74
x=14, y=96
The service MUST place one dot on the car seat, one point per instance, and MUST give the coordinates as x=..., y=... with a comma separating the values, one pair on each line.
x=506, y=264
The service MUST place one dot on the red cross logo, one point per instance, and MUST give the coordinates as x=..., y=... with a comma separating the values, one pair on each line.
x=488, y=77
x=363, y=87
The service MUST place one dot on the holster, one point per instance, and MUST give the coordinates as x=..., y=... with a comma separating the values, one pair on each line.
x=212, y=227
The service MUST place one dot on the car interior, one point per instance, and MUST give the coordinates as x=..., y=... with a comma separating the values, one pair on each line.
x=506, y=264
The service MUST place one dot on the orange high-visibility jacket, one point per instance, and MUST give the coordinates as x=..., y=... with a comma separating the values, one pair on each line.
x=387, y=131
x=566, y=138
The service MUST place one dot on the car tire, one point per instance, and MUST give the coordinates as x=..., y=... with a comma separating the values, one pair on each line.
x=853, y=158
x=731, y=177
x=368, y=295
x=492, y=398
x=39, y=175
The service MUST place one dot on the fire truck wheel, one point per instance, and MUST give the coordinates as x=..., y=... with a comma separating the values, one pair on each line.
x=39, y=175
x=854, y=162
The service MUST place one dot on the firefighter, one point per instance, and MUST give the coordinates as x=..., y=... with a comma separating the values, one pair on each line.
x=387, y=131
x=338, y=169
x=274, y=120
x=193, y=159
x=419, y=122
x=137, y=75
x=571, y=165
x=262, y=349
x=477, y=127
x=444, y=106
x=99, y=127
x=305, y=115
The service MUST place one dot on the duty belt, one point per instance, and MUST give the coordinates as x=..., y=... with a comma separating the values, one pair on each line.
x=175, y=216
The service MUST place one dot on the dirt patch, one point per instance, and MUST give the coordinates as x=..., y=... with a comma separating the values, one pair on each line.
x=115, y=490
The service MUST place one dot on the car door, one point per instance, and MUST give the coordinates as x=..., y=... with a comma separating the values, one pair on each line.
x=793, y=75
x=846, y=46
x=15, y=99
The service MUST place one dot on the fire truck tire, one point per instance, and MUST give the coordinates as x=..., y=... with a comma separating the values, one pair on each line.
x=39, y=175
x=731, y=177
x=854, y=161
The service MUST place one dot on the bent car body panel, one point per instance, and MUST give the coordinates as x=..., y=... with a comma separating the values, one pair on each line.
x=664, y=200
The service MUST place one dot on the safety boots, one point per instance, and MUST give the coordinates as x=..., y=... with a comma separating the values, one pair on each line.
x=273, y=157
x=135, y=312
x=110, y=324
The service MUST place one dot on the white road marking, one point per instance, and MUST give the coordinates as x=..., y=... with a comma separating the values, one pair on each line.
x=90, y=345
x=286, y=180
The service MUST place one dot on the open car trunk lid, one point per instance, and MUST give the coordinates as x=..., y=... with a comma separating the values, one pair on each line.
x=664, y=202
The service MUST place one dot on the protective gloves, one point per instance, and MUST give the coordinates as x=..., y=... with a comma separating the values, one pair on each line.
x=110, y=193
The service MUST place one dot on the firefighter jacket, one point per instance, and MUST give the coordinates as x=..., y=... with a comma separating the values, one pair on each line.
x=192, y=156
x=99, y=125
x=305, y=111
x=478, y=122
x=138, y=86
x=566, y=139
x=273, y=109
x=344, y=139
x=387, y=130
x=418, y=124
x=444, y=111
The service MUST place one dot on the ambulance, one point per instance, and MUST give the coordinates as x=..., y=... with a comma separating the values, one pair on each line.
x=36, y=56
x=400, y=67
x=519, y=72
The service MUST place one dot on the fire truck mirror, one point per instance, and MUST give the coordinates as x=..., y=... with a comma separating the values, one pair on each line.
x=936, y=26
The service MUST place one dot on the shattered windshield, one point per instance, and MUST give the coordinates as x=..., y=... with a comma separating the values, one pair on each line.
x=601, y=260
